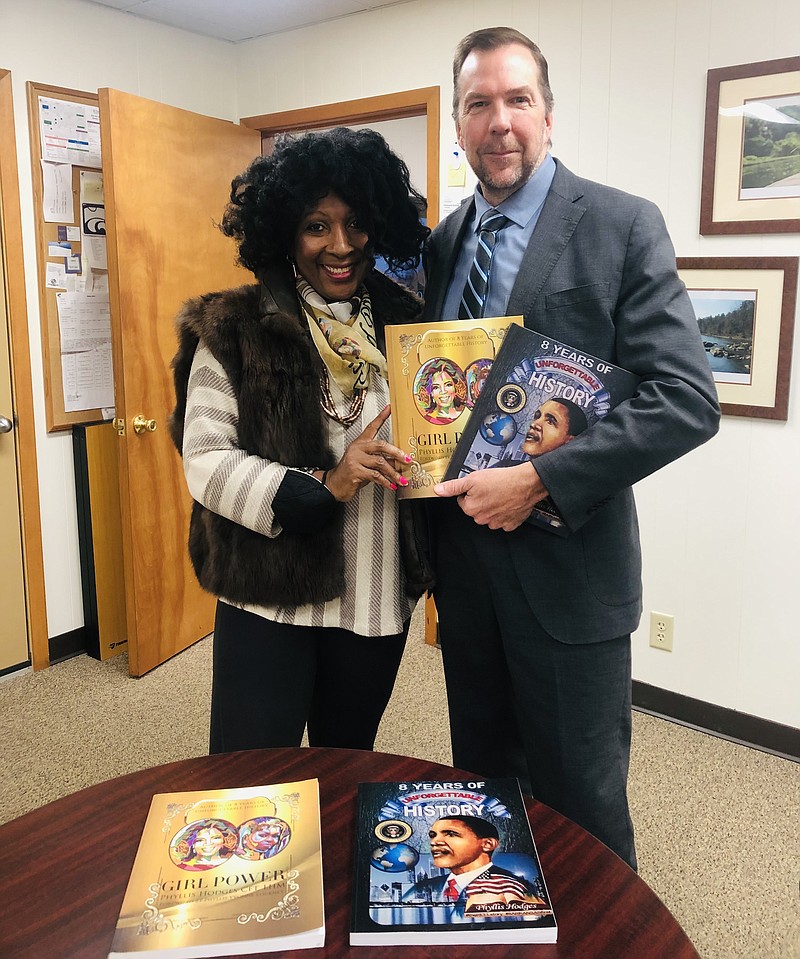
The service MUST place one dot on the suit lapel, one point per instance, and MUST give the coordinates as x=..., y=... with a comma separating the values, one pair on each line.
x=446, y=246
x=560, y=215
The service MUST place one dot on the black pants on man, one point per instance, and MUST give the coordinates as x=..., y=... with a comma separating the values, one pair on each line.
x=556, y=715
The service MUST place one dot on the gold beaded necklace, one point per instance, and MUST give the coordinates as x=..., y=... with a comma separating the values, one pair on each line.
x=329, y=407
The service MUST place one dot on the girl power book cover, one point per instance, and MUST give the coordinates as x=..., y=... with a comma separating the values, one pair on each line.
x=436, y=372
x=447, y=862
x=224, y=872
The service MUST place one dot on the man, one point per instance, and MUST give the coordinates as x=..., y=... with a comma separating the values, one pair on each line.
x=554, y=423
x=536, y=639
x=464, y=845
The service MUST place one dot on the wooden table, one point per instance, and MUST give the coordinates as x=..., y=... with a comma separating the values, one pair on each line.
x=64, y=867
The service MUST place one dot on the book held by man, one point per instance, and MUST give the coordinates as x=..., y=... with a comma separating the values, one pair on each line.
x=540, y=394
x=226, y=872
x=447, y=862
x=436, y=373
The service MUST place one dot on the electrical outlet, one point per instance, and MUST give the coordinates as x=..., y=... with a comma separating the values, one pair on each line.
x=661, y=629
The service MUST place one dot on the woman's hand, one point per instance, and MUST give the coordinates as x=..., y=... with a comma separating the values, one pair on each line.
x=367, y=460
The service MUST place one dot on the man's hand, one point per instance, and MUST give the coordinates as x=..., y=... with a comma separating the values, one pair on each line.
x=497, y=498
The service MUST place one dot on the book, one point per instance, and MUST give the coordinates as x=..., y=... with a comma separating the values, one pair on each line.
x=225, y=872
x=447, y=862
x=540, y=394
x=436, y=373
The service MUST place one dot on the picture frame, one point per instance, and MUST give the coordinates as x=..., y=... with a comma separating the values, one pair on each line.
x=750, y=107
x=745, y=308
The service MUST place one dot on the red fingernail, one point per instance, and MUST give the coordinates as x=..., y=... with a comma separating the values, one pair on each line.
x=403, y=481
x=408, y=459
x=393, y=486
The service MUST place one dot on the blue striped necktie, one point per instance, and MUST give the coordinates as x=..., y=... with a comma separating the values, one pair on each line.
x=473, y=299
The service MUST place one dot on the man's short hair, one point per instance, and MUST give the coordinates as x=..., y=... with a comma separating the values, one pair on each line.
x=576, y=418
x=490, y=39
x=482, y=828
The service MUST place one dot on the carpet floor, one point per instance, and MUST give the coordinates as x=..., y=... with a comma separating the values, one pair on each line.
x=716, y=822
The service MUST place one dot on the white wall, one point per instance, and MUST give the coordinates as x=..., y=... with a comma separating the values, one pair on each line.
x=407, y=137
x=719, y=526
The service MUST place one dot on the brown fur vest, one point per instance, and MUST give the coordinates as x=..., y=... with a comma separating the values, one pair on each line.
x=274, y=368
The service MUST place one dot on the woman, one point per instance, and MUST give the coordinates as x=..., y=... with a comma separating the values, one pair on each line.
x=442, y=395
x=282, y=419
x=263, y=838
x=204, y=845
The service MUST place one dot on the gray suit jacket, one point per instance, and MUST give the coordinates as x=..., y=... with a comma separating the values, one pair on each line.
x=599, y=274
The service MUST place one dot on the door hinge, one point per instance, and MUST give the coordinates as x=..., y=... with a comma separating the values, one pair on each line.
x=119, y=425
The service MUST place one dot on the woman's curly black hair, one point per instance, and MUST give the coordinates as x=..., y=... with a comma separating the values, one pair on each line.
x=269, y=199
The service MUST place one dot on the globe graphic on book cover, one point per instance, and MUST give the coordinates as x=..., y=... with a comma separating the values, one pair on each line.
x=498, y=428
x=396, y=858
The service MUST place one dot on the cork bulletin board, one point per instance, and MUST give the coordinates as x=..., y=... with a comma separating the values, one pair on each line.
x=67, y=280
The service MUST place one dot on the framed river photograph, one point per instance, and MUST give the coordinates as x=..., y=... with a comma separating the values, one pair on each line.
x=745, y=311
x=751, y=152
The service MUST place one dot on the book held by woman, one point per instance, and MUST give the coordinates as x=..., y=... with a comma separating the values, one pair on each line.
x=436, y=373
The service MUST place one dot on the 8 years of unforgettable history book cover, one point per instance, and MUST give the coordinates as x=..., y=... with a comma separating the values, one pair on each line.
x=447, y=862
x=540, y=394
x=436, y=373
x=226, y=872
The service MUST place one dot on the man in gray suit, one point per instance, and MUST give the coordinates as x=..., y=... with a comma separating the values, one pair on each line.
x=535, y=628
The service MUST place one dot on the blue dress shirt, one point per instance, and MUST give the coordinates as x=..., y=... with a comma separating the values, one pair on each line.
x=523, y=209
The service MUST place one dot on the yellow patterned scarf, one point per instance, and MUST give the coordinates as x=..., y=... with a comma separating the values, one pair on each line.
x=344, y=334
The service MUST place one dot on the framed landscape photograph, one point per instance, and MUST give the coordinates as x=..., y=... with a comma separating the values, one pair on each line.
x=751, y=152
x=745, y=310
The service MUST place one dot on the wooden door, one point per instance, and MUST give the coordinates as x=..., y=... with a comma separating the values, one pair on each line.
x=167, y=174
x=13, y=624
x=21, y=565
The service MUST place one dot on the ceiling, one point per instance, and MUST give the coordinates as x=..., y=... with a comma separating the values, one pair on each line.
x=237, y=20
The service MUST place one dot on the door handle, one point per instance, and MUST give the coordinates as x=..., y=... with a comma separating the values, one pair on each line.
x=143, y=425
x=6, y=425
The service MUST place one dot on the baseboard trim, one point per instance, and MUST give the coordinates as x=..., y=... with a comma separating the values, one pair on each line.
x=730, y=724
x=18, y=668
x=67, y=645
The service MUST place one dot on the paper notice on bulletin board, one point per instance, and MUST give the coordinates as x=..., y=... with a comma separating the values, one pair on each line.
x=93, y=220
x=57, y=193
x=70, y=132
x=87, y=370
x=88, y=380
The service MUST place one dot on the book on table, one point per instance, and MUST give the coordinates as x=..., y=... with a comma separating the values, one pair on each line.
x=226, y=872
x=436, y=372
x=447, y=862
x=539, y=394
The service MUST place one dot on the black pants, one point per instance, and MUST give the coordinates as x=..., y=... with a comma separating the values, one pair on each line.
x=522, y=704
x=270, y=680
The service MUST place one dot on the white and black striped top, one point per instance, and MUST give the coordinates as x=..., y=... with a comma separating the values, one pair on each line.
x=227, y=480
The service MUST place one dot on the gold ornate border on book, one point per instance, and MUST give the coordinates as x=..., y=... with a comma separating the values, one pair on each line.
x=436, y=372
x=226, y=872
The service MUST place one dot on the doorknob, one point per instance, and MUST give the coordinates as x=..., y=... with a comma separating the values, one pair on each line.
x=142, y=425
x=6, y=425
